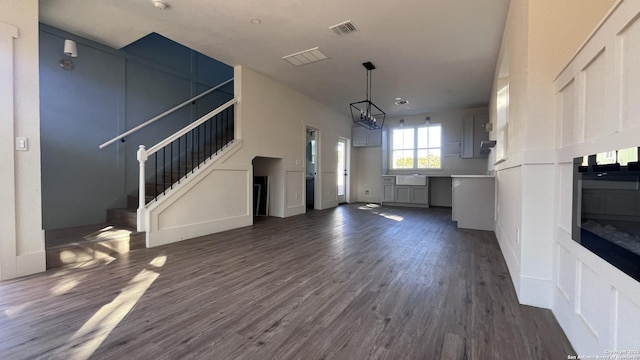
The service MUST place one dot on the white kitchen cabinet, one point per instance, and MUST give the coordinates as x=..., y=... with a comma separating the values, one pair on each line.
x=403, y=194
x=388, y=188
x=362, y=137
x=407, y=195
x=473, y=201
x=419, y=195
x=473, y=133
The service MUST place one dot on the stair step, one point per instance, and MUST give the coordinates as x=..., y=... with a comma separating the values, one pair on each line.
x=132, y=201
x=123, y=217
x=83, y=244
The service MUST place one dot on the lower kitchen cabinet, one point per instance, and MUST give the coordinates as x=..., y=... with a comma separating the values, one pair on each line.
x=411, y=195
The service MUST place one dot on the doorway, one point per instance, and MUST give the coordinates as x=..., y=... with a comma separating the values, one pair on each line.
x=342, y=171
x=267, y=187
x=311, y=167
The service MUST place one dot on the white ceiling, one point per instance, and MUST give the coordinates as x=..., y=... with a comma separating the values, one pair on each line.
x=438, y=54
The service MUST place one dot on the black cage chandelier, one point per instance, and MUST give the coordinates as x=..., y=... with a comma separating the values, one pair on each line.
x=365, y=113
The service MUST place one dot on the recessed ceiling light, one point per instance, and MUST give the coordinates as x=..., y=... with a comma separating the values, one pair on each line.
x=256, y=21
x=160, y=4
x=398, y=99
x=402, y=102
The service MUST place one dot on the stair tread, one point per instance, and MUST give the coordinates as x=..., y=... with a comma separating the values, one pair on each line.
x=79, y=235
x=129, y=210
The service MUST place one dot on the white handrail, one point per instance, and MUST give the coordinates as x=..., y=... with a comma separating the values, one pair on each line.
x=193, y=125
x=156, y=118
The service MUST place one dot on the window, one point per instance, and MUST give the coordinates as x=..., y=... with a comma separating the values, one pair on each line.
x=416, y=148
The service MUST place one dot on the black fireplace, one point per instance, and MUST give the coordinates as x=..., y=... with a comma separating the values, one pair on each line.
x=606, y=207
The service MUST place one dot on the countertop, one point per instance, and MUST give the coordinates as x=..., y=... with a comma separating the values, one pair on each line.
x=473, y=176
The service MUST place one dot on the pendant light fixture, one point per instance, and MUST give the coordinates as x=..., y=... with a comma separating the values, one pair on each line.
x=365, y=113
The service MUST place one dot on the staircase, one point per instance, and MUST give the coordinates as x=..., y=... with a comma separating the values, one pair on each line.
x=83, y=245
x=162, y=167
x=170, y=175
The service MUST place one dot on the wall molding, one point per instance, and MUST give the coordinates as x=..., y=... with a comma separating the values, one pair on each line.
x=8, y=235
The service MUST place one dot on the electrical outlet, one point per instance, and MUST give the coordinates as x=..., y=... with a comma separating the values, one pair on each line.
x=366, y=191
x=297, y=196
x=518, y=236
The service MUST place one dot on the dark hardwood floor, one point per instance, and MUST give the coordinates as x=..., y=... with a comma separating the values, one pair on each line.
x=355, y=282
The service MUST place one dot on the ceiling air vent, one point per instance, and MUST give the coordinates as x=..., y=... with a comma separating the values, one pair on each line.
x=344, y=28
x=305, y=57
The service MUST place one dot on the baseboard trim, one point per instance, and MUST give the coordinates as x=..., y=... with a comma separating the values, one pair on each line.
x=536, y=292
x=32, y=263
x=175, y=234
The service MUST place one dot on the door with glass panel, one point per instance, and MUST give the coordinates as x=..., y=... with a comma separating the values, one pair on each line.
x=342, y=173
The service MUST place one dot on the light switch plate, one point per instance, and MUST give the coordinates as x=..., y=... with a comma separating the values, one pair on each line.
x=22, y=144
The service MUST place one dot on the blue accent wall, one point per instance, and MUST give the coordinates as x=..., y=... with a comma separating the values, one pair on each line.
x=109, y=92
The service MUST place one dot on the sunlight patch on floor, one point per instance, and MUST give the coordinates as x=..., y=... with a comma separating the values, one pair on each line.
x=373, y=207
x=369, y=206
x=159, y=261
x=391, y=216
x=15, y=310
x=63, y=286
x=94, y=332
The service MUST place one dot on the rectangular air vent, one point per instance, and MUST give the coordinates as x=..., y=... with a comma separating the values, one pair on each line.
x=344, y=28
x=305, y=57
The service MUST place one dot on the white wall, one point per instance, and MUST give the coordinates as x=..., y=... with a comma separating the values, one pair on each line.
x=597, y=305
x=271, y=121
x=597, y=96
x=21, y=235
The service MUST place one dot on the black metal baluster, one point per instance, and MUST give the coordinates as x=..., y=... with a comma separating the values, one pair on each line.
x=216, y=132
x=171, y=165
x=210, y=121
x=224, y=128
x=179, y=158
x=233, y=123
x=192, y=146
x=204, y=139
x=197, y=130
x=155, y=187
x=164, y=166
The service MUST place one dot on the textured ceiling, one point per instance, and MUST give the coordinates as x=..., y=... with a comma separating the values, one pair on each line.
x=438, y=54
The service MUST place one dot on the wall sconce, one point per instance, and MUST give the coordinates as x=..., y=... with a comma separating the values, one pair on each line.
x=71, y=50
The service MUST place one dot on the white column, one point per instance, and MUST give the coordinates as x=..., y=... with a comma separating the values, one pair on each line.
x=142, y=158
x=8, y=234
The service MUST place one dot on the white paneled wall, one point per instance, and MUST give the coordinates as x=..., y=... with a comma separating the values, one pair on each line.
x=598, y=97
x=628, y=40
x=594, y=79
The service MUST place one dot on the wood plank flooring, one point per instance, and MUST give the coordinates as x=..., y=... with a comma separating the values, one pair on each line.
x=355, y=282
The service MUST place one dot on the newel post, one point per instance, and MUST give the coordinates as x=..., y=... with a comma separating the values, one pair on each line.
x=142, y=158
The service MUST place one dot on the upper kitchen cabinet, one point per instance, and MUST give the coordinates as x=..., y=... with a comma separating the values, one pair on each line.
x=473, y=133
x=364, y=137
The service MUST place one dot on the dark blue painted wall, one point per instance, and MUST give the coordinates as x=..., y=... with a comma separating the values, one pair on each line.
x=109, y=92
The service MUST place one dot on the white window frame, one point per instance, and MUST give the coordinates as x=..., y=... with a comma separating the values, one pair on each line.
x=415, y=148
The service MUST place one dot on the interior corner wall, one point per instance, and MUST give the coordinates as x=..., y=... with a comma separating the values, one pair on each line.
x=109, y=92
x=539, y=39
x=21, y=239
x=272, y=122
